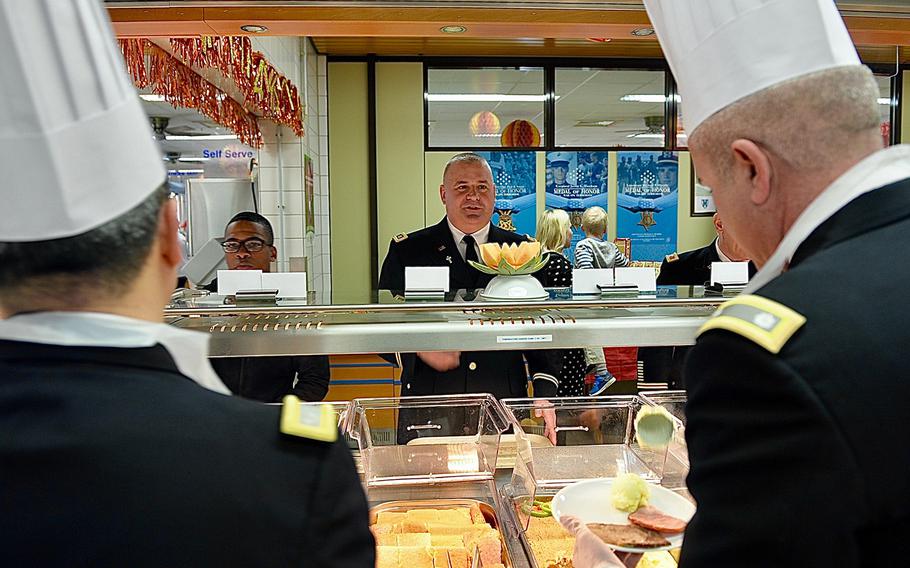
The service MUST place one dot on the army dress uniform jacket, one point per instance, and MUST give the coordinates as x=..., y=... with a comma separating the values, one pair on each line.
x=691, y=268
x=797, y=414
x=111, y=457
x=501, y=373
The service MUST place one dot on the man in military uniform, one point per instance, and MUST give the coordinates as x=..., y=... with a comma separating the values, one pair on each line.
x=468, y=193
x=693, y=268
x=112, y=451
x=797, y=410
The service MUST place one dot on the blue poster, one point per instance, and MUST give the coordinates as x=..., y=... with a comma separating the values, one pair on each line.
x=647, y=197
x=576, y=181
x=515, y=177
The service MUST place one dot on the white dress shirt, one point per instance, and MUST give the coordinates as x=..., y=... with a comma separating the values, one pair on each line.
x=189, y=349
x=720, y=253
x=480, y=237
x=878, y=170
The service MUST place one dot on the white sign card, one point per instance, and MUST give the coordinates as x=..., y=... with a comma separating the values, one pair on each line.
x=587, y=280
x=229, y=281
x=426, y=278
x=288, y=284
x=642, y=277
x=730, y=273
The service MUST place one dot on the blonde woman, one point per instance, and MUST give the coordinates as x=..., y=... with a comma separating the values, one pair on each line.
x=554, y=232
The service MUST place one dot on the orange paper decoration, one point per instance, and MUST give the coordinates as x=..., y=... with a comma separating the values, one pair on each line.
x=152, y=67
x=520, y=134
x=484, y=123
x=263, y=86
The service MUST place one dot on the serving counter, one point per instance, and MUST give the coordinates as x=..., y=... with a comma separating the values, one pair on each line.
x=471, y=452
x=459, y=322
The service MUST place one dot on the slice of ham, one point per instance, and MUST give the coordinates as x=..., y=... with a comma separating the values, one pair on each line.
x=652, y=518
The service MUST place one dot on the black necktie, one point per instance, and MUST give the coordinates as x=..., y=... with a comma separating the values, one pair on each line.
x=470, y=252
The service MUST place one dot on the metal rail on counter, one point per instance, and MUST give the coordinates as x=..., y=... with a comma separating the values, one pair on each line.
x=486, y=326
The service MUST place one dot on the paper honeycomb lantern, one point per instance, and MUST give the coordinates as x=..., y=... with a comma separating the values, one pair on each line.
x=520, y=134
x=484, y=123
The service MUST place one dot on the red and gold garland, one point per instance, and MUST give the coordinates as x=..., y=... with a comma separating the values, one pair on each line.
x=181, y=86
x=261, y=84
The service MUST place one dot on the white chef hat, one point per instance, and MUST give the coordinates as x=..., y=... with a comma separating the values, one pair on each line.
x=76, y=150
x=721, y=51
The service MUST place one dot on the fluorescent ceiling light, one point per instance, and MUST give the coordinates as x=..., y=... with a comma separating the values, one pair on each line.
x=203, y=137
x=645, y=135
x=884, y=101
x=492, y=135
x=186, y=171
x=192, y=159
x=152, y=98
x=645, y=98
x=482, y=98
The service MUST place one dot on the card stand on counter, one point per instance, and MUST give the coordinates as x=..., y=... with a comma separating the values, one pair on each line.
x=594, y=437
x=677, y=466
x=427, y=440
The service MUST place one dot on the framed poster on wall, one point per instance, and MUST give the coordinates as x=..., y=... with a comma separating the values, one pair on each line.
x=700, y=198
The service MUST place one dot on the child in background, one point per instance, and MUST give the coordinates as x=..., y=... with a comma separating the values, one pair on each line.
x=595, y=252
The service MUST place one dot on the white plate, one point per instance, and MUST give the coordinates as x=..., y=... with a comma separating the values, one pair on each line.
x=589, y=501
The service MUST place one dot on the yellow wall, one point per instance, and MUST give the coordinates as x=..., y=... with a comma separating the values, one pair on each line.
x=349, y=185
x=905, y=112
x=408, y=178
x=399, y=151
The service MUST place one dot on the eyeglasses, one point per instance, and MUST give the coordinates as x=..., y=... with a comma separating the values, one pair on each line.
x=250, y=245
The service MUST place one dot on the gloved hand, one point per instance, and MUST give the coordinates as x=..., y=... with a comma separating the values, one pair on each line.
x=591, y=552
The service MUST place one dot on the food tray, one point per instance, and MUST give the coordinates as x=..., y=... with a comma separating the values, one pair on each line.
x=506, y=496
x=488, y=512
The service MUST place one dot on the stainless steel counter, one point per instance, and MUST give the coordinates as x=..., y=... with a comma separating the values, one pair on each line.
x=561, y=322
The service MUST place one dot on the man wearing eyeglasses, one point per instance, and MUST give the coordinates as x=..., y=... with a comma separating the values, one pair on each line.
x=249, y=245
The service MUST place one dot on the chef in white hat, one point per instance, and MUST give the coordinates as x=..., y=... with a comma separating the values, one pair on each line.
x=797, y=401
x=110, y=453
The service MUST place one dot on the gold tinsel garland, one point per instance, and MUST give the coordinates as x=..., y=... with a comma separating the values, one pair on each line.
x=182, y=87
x=261, y=84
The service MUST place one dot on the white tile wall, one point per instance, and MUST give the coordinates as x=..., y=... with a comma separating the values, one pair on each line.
x=297, y=60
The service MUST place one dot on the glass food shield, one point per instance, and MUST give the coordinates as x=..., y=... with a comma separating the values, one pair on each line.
x=428, y=439
x=595, y=437
x=677, y=467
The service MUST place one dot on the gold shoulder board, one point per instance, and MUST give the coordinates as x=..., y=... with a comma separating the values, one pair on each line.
x=313, y=421
x=400, y=237
x=672, y=257
x=758, y=319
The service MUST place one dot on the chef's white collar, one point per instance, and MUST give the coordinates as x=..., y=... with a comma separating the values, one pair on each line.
x=189, y=349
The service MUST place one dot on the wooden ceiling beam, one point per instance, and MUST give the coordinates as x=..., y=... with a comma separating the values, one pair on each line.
x=135, y=21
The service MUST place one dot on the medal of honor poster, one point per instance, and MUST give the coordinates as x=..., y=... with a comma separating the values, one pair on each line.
x=515, y=177
x=575, y=182
x=646, y=200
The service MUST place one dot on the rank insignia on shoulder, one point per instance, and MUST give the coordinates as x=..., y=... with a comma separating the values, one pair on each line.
x=312, y=421
x=758, y=319
x=400, y=237
x=672, y=257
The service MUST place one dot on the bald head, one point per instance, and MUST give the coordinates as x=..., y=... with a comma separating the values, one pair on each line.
x=813, y=121
x=768, y=156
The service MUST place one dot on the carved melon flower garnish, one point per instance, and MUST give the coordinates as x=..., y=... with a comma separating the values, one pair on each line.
x=510, y=260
